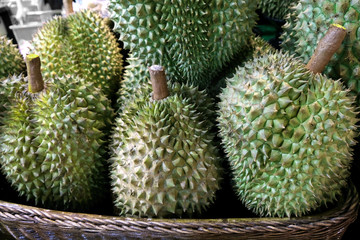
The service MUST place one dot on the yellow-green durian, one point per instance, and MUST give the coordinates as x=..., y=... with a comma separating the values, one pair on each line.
x=52, y=141
x=80, y=44
x=164, y=163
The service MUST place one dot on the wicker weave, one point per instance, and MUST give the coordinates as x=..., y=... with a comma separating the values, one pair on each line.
x=24, y=222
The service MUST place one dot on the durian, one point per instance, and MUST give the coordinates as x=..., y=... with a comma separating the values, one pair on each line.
x=11, y=61
x=193, y=40
x=288, y=135
x=276, y=8
x=52, y=142
x=81, y=44
x=307, y=24
x=163, y=162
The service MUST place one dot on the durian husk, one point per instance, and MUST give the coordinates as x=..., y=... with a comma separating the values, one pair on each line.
x=52, y=141
x=163, y=161
x=288, y=135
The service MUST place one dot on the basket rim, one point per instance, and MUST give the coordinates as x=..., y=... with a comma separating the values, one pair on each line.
x=343, y=214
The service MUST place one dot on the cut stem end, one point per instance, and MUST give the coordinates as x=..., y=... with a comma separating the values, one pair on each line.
x=326, y=48
x=68, y=5
x=35, y=79
x=158, y=82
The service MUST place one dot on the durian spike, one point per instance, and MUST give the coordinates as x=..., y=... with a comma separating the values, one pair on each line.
x=35, y=79
x=326, y=48
x=158, y=82
x=68, y=7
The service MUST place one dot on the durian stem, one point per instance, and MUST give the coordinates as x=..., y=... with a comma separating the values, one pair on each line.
x=68, y=5
x=35, y=80
x=158, y=82
x=326, y=48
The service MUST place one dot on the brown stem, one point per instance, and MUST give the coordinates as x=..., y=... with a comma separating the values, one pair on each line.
x=326, y=48
x=158, y=82
x=68, y=5
x=35, y=80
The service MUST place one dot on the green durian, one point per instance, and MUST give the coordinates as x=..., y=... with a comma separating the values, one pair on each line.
x=163, y=161
x=276, y=8
x=307, y=24
x=11, y=61
x=193, y=40
x=81, y=44
x=52, y=141
x=288, y=135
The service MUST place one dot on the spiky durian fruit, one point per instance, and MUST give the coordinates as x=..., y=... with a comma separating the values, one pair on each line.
x=192, y=39
x=52, y=140
x=276, y=8
x=288, y=135
x=163, y=160
x=11, y=61
x=80, y=44
x=307, y=25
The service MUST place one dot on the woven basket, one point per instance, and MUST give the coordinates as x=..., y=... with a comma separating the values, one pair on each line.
x=25, y=222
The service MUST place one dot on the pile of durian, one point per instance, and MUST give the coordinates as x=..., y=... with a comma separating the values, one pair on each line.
x=198, y=100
